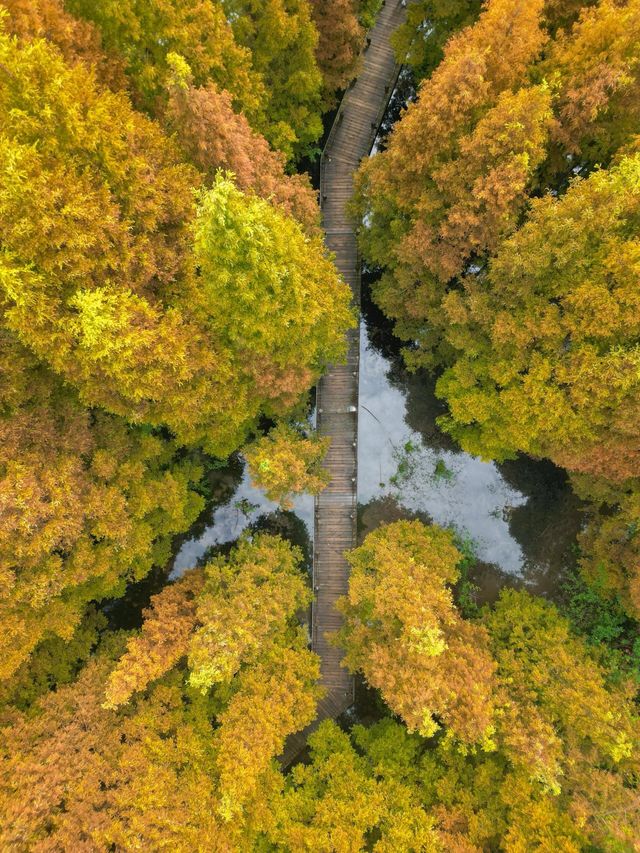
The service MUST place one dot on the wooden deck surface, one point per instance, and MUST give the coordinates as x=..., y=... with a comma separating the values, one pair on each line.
x=351, y=139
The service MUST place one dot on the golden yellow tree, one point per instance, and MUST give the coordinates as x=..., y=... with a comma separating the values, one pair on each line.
x=286, y=462
x=403, y=632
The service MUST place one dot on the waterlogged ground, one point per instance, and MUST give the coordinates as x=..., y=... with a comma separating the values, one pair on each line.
x=521, y=517
x=236, y=506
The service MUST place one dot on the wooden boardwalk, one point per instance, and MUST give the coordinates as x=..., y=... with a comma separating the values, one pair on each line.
x=351, y=138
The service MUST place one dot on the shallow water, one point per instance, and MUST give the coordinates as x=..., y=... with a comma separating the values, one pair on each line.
x=243, y=507
x=521, y=517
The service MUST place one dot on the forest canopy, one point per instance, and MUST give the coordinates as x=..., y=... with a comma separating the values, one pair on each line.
x=168, y=303
x=502, y=216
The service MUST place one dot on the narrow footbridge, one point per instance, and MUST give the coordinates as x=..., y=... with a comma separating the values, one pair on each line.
x=351, y=138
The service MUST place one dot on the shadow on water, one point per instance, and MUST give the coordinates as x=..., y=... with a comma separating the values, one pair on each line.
x=402, y=95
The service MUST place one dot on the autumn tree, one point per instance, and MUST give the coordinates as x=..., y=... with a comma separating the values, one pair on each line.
x=262, y=54
x=348, y=794
x=609, y=543
x=280, y=309
x=54, y=662
x=597, y=68
x=120, y=318
x=285, y=462
x=271, y=700
x=455, y=175
x=88, y=502
x=261, y=579
x=99, y=779
x=282, y=39
x=199, y=617
x=546, y=341
x=524, y=99
x=78, y=40
x=562, y=720
x=147, y=302
x=164, y=640
x=146, y=32
x=214, y=137
x=235, y=622
x=162, y=762
x=402, y=631
x=340, y=37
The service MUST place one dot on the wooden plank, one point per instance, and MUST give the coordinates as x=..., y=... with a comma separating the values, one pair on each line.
x=350, y=139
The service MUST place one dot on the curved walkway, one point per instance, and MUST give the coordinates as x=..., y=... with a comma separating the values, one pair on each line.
x=351, y=138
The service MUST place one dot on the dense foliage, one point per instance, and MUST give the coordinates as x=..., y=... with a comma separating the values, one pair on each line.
x=166, y=301
x=172, y=737
x=504, y=216
x=152, y=308
x=403, y=632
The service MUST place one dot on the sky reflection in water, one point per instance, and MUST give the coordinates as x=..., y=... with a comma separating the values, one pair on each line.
x=521, y=516
x=245, y=507
x=461, y=491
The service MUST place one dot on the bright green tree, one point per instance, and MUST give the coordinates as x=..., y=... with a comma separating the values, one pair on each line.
x=282, y=39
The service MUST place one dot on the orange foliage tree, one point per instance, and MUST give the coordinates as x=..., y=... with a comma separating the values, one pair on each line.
x=235, y=621
x=219, y=617
x=87, y=504
x=99, y=779
x=456, y=171
x=340, y=36
x=77, y=40
x=525, y=98
x=597, y=68
x=173, y=765
x=214, y=137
